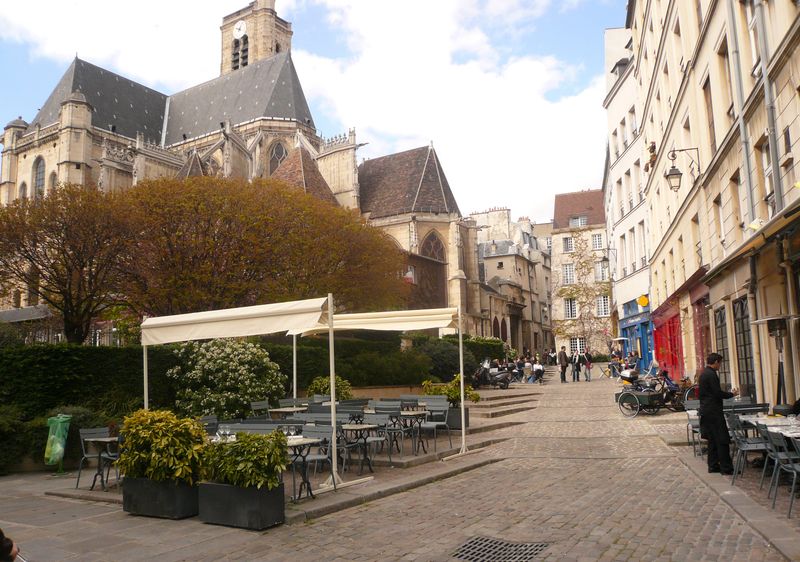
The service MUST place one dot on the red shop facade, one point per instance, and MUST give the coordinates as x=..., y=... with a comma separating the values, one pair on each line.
x=668, y=327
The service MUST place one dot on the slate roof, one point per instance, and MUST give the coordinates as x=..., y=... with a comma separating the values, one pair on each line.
x=406, y=182
x=266, y=88
x=300, y=170
x=193, y=167
x=589, y=203
x=25, y=314
x=127, y=105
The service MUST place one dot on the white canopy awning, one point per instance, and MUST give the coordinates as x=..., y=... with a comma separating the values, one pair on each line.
x=396, y=320
x=234, y=322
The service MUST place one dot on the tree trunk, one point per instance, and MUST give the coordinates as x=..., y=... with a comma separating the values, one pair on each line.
x=76, y=330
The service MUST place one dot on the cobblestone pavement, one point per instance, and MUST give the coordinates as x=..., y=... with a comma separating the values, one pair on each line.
x=575, y=475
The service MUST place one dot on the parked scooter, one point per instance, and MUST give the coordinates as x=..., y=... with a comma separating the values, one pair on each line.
x=485, y=377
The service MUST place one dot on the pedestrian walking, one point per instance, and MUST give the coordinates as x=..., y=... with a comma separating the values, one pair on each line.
x=563, y=362
x=712, y=422
x=587, y=361
x=576, y=366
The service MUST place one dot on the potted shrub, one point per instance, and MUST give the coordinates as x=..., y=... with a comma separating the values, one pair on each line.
x=453, y=392
x=160, y=456
x=242, y=484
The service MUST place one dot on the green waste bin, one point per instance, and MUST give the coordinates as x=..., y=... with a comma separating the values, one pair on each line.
x=56, y=439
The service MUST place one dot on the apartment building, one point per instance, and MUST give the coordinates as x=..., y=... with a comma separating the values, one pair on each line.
x=719, y=87
x=626, y=211
x=581, y=286
x=515, y=273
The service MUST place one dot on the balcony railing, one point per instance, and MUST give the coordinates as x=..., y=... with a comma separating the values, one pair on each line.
x=633, y=267
x=644, y=261
x=624, y=271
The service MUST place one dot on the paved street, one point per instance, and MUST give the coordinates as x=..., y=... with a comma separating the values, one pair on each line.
x=575, y=475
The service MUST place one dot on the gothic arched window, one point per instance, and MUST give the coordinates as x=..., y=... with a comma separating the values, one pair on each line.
x=496, y=328
x=503, y=330
x=433, y=248
x=53, y=180
x=277, y=48
x=245, y=51
x=235, y=54
x=38, y=178
x=276, y=156
x=23, y=191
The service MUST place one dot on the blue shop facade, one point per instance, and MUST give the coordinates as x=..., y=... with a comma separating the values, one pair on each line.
x=637, y=330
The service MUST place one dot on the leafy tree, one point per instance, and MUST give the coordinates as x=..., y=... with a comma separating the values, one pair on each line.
x=207, y=243
x=64, y=249
x=585, y=290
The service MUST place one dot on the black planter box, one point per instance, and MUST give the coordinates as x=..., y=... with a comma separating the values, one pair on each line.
x=170, y=500
x=247, y=508
x=454, y=417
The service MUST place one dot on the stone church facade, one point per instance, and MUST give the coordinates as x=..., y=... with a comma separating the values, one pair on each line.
x=252, y=121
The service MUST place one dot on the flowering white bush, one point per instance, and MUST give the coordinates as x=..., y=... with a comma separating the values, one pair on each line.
x=223, y=376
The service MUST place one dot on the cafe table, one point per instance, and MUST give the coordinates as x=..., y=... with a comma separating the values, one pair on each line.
x=103, y=445
x=358, y=433
x=300, y=448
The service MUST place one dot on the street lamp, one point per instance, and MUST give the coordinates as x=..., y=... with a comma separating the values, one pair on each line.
x=674, y=175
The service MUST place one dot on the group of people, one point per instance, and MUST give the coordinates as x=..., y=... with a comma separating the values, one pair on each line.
x=526, y=368
x=579, y=360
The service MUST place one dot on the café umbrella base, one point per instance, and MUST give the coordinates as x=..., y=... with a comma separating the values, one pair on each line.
x=247, y=508
x=168, y=500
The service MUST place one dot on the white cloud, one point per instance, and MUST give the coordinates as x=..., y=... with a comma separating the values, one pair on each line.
x=417, y=72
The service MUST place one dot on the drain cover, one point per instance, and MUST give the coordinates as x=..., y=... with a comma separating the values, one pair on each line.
x=485, y=549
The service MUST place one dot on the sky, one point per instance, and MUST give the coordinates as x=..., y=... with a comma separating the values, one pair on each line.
x=509, y=92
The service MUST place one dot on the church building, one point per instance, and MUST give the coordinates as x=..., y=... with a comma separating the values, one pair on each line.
x=252, y=121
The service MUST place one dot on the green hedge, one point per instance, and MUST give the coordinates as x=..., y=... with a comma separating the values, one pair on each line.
x=41, y=377
x=481, y=348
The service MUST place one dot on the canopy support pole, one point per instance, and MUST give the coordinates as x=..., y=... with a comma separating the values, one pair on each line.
x=146, y=393
x=294, y=367
x=335, y=479
x=461, y=367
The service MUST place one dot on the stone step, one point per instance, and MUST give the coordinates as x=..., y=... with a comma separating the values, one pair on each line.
x=499, y=412
x=511, y=394
x=490, y=426
x=511, y=401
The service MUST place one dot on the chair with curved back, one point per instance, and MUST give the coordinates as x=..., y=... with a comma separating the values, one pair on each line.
x=106, y=457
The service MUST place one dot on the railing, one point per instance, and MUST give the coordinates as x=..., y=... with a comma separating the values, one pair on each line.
x=644, y=261
x=633, y=266
x=624, y=271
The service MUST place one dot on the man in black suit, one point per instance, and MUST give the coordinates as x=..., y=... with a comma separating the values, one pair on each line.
x=712, y=421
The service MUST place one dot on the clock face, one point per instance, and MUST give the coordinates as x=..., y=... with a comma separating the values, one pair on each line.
x=239, y=29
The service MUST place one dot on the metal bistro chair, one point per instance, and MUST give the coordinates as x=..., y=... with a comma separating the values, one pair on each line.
x=794, y=467
x=744, y=444
x=395, y=428
x=106, y=457
x=260, y=406
x=323, y=454
x=786, y=460
x=437, y=419
x=210, y=424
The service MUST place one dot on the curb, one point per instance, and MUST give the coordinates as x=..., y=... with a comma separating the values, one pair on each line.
x=775, y=531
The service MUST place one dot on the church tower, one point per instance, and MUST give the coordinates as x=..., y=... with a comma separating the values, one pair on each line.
x=251, y=34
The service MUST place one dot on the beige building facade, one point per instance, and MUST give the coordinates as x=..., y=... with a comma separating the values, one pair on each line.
x=718, y=82
x=626, y=211
x=580, y=280
x=515, y=272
